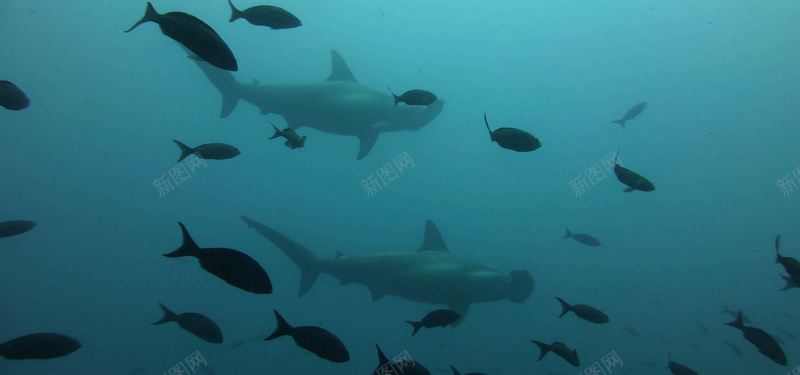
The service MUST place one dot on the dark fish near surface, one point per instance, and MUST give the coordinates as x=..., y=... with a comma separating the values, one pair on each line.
x=791, y=265
x=293, y=140
x=513, y=139
x=194, y=34
x=582, y=238
x=39, y=346
x=11, y=97
x=314, y=339
x=197, y=324
x=765, y=343
x=634, y=180
x=414, y=97
x=404, y=367
x=679, y=369
x=438, y=318
x=560, y=349
x=631, y=331
x=455, y=372
x=266, y=15
x=633, y=112
x=215, y=151
x=735, y=349
x=734, y=314
x=584, y=312
x=15, y=227
x=233, y=266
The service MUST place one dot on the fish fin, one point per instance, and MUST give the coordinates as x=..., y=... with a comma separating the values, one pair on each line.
x=382, y=360
x=568, y=235
x=455, y=372
x=778, y=248
x=433, y=239
x=305, y=260
x=169, y=316
x=620, y=122
x=738, y=323
x=339, y=254
x=188, y=248
x=283, y=329
x=235, y=13
x=491, y=134
x=396, y=98
x=416, y=325
x=565, y=307
x=790, y=283
x=224, y=81
x=544, y=348
x=377, y=292
x=289, y=145
x=367, y=140
x=629, y=189
x=339, y=69
x=150, y=15
x=185, y=150
x=278, y=132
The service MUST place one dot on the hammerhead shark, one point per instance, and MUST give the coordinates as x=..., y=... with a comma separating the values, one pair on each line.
x=338, y=105
x=429, y=275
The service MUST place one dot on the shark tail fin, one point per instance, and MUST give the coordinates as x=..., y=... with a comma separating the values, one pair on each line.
x=188, y=247
x=568, y=235
x=544, y=348
x=278, y=132
x=283, y=329
x=235, y=13
x=227, y=85
x=169, y=316
x=150, y=15
x=416, y=325
x=565, y=307
x=185, y=150
x=305, y=260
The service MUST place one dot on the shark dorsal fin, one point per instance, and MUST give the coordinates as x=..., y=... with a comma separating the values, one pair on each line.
x=433, y=239
x=339, y=69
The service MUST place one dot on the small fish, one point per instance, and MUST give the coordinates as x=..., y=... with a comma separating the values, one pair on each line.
x=791, y=265
x=414, y=97
x=293, y=140
x=735, y=349
x=12, y=98
x=314, y=339
x=233, y=266
x=634, y=180
x=705, y=330
x=734, y=314
x=197, y=324
x=513, y=139
x=584, y=312
x=455, y=372
x=679, y=369
x=636, y=110
x=631, y=331
x=438, y=318
x=39, y=346
x=266, y=15
x=582, y=238
x=404, y=367
x=15, y=227
x=194, y=34
x=765, y=343
x=215, y=151
x=560, y=349
x=790, y=283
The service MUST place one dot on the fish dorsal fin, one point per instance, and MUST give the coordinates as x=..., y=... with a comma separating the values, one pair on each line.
x=433, y=239
x=339, y=69
x=382, y=360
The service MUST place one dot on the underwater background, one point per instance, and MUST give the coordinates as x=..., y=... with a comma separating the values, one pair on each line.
x=721, y=127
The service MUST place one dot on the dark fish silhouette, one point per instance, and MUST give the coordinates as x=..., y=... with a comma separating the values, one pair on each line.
x=11, y=97
x=735, y=349
x=266, y=15
x=233, y=266
x=679, y=369
x=633, y=112
x=404, y=367
x=513, y=139
x=584, y=312
x=15, y=227
x=631, y=331
x=194, y=34
x=438, y=318
x=634, y=180
x=414, y=97
x=734, y=314
x=791, y=265
x=39, y=346
x=582, y=238
x=314, y=339
x=215, y=151
x=197, y=324
x=765, y=343
x=293, y=140
x=790, y=283
x=455, y=372
x=560, y=349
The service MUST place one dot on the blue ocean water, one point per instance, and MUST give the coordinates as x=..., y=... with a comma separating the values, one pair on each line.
x=720, y=80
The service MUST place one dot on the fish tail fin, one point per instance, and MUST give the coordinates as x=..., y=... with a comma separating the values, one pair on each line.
x=283, y=329
x=235, y=13
x=185, y=150
x=278, y=132
x=396, y=98
x=455, y=372
x=150, y=14
x=565, y=307
x=310, y=266
x=416, y=325
x=544, y=348
x=568, y=235
x=620, y=122
x=778, y=249
x=738, y=323
x=382, y=360
x=486, y=121
x=188, y=247
x=169, y=316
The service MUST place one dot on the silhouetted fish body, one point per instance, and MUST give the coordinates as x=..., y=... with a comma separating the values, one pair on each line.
x=12, y=98
x=455, y=372
x=766, y=344
x=15, y=227
x=512, y=138
x=679, y=369
x=636, y=110
x=293, y=140
x=314, y=339
x=791, y=265
x=633, y=180
x=414, y=97
x=584, y=312
x=214, y=151
x=561, y=349
x=266, y=15
x=735, y=349
x=197, y=324
x=404, y=367
x=582, y=238
x=438, y=318
x=39, y=346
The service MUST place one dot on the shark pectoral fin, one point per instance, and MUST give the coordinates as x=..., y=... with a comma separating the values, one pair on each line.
x=628, y=190
x=378, y=292
x=461, y=308
x=367, y=140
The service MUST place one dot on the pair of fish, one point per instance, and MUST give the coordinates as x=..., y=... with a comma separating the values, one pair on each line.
x=39, y=346
x=12, y=98
x=215, y=151
x=414, y=97
x=628, y=177
x=314, y=339
x=438, y=318
x=582, y=238
x=561, y=349
x=765, y=343
x=512, y=138
x=197, y=324
x=15, y=227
